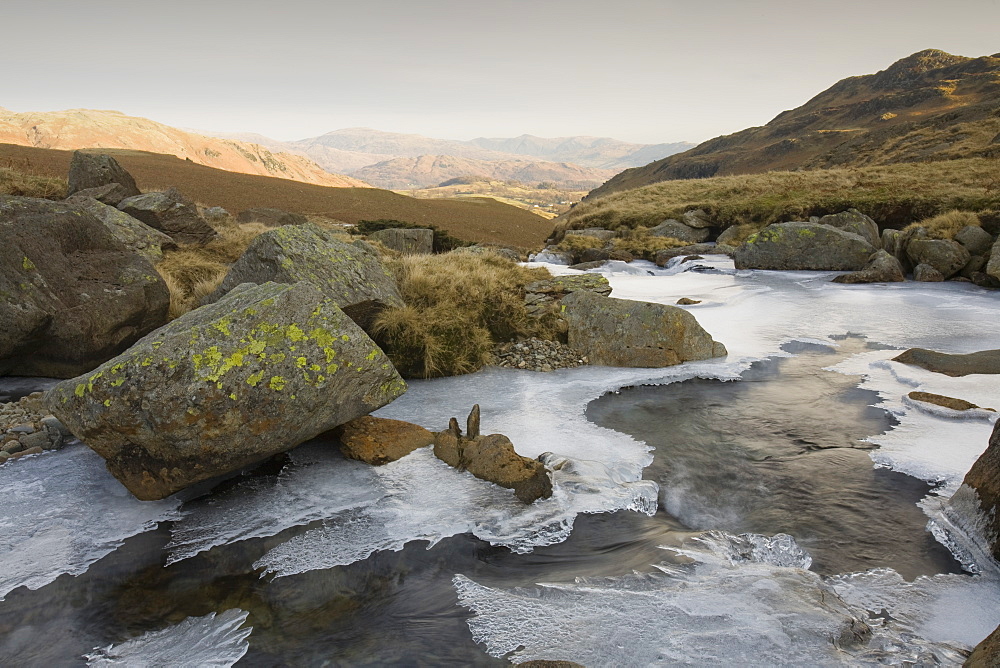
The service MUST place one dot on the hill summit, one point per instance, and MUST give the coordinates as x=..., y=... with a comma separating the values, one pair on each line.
x=929, y=106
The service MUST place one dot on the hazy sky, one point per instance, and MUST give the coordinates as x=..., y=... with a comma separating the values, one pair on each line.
x=640, y=70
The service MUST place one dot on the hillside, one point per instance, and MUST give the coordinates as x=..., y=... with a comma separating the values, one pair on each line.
x=548, y=202
x=431, y=170
x=929, y=106
x=480, y=219
x=600, y=152
x=88, y=128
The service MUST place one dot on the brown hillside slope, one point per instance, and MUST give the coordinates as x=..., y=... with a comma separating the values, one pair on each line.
x=481, y=219
x=88, y=128
x=427, y=171
x=929, y=106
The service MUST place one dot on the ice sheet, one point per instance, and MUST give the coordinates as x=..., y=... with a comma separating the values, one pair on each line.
x=212, y=641
x=62, y=512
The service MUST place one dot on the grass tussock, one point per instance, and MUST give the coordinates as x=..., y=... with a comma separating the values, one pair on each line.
x=946, y=225
x=893, y=195
x=193, y=272
x=637, y=242
x=458, y=305
x=14, y=181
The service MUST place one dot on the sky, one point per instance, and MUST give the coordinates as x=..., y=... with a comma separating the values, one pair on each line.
x=647, y=71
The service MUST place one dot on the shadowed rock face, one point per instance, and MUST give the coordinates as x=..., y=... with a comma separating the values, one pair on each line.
x=88, y=170
x=350, y=274
x=618, y=332
x=226, y=386
x=171, y=213
x=984, y=361
x=71, y=294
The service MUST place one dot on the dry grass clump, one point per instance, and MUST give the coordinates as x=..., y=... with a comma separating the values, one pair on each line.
x=457, y=306
x=946, y=225
x=22, y=184
x=193, y=272
x=643, y=245
x=894, y=195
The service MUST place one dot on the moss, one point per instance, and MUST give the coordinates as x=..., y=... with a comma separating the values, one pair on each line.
x=27, y=264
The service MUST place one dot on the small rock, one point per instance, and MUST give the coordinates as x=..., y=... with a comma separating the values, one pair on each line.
x=378, y=441
x=685, y=301
x=947, y=402
x=927, y=274
x=29, y=451
x=13, y=447
x=36, y=440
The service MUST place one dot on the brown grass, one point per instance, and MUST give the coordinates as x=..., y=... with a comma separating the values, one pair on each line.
x=14, y=181
x=946, y=225
x=457, y=306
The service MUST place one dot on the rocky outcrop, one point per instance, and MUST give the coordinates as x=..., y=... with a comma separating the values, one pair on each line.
x=803, y=246
x=617, y=332
x=226, y=386
x=378, y=441
x=271, y=217
x=881, y=267
x=171, y=213
x=984, y=361
x=492, y=458
x=350, y=274
x=946, y=256
x=71, y=295
x=409, y=241
x=91, y=170
x=136, y=235
x=678, y=230
x=856, y=222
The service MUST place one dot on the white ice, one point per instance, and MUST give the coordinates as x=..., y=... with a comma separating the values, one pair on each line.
x=212, y=641
x=62, y=512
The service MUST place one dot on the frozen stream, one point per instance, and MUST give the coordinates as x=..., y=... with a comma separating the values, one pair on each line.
x=694, y=520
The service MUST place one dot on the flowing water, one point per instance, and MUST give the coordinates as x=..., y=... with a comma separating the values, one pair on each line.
x=726, y=511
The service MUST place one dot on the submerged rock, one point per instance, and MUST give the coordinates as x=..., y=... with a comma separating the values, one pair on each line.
x=71, y=294
x=351, y=275
x=492, y=458
x=171, y=213
x=226, y=386
x=984, y=361
x=618, y=332
x=881, y=267
x=803, y=246
x=378, y=441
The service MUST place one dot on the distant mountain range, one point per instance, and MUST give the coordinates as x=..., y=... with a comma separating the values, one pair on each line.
x=928, y=106
x=375, y=156
x=89, y=128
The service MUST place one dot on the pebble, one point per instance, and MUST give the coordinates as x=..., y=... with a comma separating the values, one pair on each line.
x=537, y=355
x=26, y=428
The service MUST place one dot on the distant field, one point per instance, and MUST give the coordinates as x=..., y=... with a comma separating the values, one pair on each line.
x=545, y=202
x=475, y=219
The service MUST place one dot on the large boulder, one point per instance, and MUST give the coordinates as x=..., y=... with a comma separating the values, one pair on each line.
x=136, y=235
x=91, y=170
x=947, y=256
x=271, y=217
x=71, y=295
x=882, y=267
x=226, y=386
x=171, y=213
x=854, y=221
x=618, y=332
x=809, y=246
x=678, y=230
x=409, y=241
x=975, y=239
x=350, y=274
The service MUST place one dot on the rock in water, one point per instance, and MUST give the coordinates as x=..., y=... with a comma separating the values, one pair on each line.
x=984, y=480
x=983, y=361
x=350, y=274
x=71, y=295
x=226, y=386
x=378, y=441
x=803, y=246
x=882, y=267
x=90, y=170
x=619, y=332
x=171, y=213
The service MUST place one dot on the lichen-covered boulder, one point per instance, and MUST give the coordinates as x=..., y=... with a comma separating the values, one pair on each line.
x=619, y=332
x=882, y=267
x=947, y=256
x=226, y=386
x=269, y=216
x=171, y=213
x=71, y=294
x=975, y=239
x=378, y=441
x=352, y=275
x=854, y=221
x=803, y=246
x=135, y=234
x=92, y=170
x=405, y=240
x=678, y=230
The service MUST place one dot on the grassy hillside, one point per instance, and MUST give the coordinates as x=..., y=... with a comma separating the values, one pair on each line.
x=894, y=195
x=929, y=106
x=547, y=202
x=480, y=219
